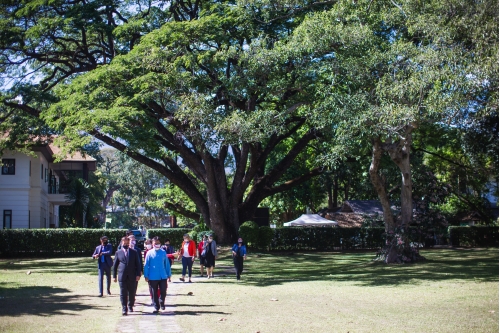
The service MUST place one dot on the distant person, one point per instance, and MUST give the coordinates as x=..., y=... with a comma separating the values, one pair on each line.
x=239, y=254
x=200, y=256
x=127, y=233
x=104, y=263
x=128, y=267
x=156, y=272
x=148, y=245
x=170, y=250
x=188, y=253
x=210, y=250
x=133, y=246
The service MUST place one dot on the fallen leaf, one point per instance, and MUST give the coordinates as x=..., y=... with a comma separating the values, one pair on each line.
x=28, y=272
x=190, y=293
x=222, y=319
x=274, y=299
x=492, y=311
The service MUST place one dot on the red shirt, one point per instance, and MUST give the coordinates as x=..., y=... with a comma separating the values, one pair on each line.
x=191, y=248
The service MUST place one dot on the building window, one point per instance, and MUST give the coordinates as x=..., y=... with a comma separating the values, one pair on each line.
x=8, y=166
x=7, y=219
x=46, y=174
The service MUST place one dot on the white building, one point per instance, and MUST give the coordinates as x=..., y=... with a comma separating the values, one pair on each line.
x=33, y=187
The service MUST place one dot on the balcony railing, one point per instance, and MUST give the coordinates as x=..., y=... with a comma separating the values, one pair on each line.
x=57, y=188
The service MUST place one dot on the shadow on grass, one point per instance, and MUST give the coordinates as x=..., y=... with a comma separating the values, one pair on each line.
x=39, y=301
x=60, y=265
x=480, y=265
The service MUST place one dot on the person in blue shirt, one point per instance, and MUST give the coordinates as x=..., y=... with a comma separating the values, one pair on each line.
x=239, y=254
x=104, y=263
x=156, y=272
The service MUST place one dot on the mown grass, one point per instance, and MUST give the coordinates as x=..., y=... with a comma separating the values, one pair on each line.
x=452, y=291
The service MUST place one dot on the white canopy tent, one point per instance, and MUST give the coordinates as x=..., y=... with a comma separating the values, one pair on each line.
x=310, y=220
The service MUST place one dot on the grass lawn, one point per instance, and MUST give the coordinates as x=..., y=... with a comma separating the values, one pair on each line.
x=453, y=291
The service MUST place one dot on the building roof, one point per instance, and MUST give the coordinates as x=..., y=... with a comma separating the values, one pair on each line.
x=368, y=207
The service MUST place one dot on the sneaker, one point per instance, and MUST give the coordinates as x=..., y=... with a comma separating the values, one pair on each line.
x=182, y=279
x=130, y=309
x=156, y=310
x=163, y=308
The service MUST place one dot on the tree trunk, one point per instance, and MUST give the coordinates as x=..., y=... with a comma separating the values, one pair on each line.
x=400, y=155
x=378, y=184
x=335, y=191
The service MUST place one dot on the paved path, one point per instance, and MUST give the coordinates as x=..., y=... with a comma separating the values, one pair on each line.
x=144, y=320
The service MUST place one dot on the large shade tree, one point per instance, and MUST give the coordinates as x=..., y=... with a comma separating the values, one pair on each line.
x=182, y=87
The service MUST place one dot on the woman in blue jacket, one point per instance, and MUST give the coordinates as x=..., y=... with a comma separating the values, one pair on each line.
x=156, y=272
x=239, y=254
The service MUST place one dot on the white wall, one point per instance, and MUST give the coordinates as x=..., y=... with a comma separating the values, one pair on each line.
x=15, y=191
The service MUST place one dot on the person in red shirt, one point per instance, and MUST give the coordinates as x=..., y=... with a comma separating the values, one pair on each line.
x=188, y=253
x=202, y=258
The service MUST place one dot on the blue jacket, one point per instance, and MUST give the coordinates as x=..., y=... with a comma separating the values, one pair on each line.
x=157, y=265
x=243, y=250
x=106, y=257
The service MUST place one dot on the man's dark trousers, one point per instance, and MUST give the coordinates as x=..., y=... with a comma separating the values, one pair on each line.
x=127, y=291
x=104, y=269
x=162, y=284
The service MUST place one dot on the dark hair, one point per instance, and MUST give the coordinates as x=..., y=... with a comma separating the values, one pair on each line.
x=156, y=238
x=104, y=237
x=128, y=233
x=167, y=240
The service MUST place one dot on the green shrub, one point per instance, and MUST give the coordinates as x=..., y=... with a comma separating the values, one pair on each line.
x=174, y=234
x=316, y=238
x=473, y=236
x=249, y=231
x=266, y=236
x=55, y=242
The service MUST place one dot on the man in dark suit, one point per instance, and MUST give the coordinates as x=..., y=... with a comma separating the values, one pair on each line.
x=133, y=243
x=128, y=266
x=104, y=262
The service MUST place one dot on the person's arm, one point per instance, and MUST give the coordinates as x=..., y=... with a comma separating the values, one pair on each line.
x=214, y=248
x=167, y=267
x=96, y=254
x=146, y=268
x=138, y=269
x=107, y=250
x=115, y=265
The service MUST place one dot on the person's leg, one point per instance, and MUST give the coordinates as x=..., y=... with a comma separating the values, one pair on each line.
x=201, y=269
x=184, y=267
x=100, y=276
x=123, y=295
x=240, y=267
x=154, y=287
x=236, y=267
x=151, y=293
x=107, y=271
x=131, y=293
x=190, y=267
x=163, y=293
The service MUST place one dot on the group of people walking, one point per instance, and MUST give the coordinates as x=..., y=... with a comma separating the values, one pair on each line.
x=155, y=263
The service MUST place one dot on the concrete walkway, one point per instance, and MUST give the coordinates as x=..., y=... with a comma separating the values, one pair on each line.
x=144, y=320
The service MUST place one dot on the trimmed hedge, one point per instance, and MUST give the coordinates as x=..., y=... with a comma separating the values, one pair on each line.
x=174, y=234
x=298, y=238
x=474, y=236
x=55, y=242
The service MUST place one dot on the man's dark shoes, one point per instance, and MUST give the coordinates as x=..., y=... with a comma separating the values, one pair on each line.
x=100, y=295
x=156, y=311
x=109, y=292
x=131, y=309
x=163, y=307
x=124, y=311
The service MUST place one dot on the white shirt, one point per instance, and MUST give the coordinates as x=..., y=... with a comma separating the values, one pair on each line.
x=186, y=250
